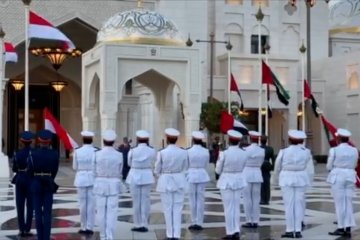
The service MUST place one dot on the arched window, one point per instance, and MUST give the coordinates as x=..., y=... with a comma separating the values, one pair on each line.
x=234, y=33
x=264, y=38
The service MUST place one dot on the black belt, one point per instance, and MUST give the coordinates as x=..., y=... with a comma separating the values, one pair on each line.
x=42, y=174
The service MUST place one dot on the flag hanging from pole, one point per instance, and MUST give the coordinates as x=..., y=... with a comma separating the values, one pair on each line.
x=228, y=122
x=330, y=131
x=41, y=28
x=269, y=109
x=308, y=95
x=234, y=88
x=54, y=126
x=268, y=77
x=10, y=53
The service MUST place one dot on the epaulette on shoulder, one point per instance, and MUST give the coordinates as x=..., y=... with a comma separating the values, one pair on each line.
x=97, y=149
x=150, y=146
x=303, y=148
x=77, y=147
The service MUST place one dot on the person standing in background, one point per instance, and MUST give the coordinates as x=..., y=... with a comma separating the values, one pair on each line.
x=266, y=168
x=140, y=179
x=83, y=164
x=198, y=177
x=22, y=181
x=124, y=148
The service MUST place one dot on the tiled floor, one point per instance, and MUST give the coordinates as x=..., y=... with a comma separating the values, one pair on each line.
x=319, y=214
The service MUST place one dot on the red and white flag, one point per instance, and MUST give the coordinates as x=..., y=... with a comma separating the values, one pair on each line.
x=54, y=126
x=42, y=28
x=10, y=53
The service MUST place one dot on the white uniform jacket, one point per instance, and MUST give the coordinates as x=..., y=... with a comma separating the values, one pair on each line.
x=141, y=160
x=291, y=165
x=230, y=166
x=83, y=164
x=198, y=163
x=252, y=170
x=341, y=163
x=170, y=165
x=108, y=172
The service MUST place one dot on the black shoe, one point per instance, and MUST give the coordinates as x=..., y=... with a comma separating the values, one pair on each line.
x=298, y=235
x=89, y=232
x=264, y=203
x=288, y=235
x=143, y=229
x=335, y=222
x=136, y=229
x=247, y=225
x=21, y=234
x=82, y=231
x=191, y=227
x=29, y=234
x=198, y=227
x=255, y=225
x=337, y=232
x=236, y=236
x=347, y=232
x=228, y=237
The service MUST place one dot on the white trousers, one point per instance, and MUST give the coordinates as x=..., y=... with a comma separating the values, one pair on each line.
x=87, y=207
x=252, y=202
x=342, y=192
x=107, y=208
x=231, y=202
x=294, y=198
x=173, y=203
x=141, y=204
x=197, y=199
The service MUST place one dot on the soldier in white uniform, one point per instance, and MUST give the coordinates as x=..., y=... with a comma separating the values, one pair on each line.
x=170, y=166
x=342, y=161
x=140, y=178
x=291, y=166
x=231, y=182
x=253, y=177
x=108, y=185
x=198, y=177
x=83, y=164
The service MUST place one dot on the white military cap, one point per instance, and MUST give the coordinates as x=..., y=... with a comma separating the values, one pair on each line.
x=109, y=135
x=197, y=135
x=142, y=134
x=172, y=132
x=343, y=132
x=296, y=134
x=87, y=133
x=234, y=134
x=254, y=134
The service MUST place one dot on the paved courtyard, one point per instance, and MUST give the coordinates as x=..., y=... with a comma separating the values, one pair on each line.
x=319, y=214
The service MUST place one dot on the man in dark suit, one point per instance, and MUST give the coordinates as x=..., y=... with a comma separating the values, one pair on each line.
x=124, y=148
x=22, y=181
x=266, y=168
x=43, y=166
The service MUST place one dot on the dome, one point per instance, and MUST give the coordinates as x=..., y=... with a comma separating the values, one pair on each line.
x=344, y=16
x=140, y=26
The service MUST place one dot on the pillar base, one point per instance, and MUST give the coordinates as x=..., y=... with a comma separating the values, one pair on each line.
x=4, y=166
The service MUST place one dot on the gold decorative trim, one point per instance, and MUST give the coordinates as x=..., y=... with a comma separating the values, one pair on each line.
x=146, y=41
x=345, y=30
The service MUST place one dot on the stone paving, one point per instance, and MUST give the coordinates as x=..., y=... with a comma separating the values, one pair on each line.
x=319, y=214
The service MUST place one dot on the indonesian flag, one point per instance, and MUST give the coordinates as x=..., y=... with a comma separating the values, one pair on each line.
x=228, y=122
x=54, y=126
x=41, y=28
x=10, y=53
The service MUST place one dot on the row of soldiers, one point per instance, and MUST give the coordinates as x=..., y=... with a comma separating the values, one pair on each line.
x=98, y=180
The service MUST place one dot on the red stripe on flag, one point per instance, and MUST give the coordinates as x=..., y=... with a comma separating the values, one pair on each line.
x=233, y=85
x=9, y=47
x=307, y=90
x=226, y=122
x=36, y=19
x=266, y=74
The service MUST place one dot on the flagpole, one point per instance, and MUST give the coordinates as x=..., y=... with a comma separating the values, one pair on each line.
x=259, y=17
x=26, y=82
x=303, y=50
x=229, y=82
x=267, y=48
x=2, y=78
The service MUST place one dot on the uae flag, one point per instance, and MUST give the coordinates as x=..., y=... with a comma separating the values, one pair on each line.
x=10, y=53
x=234, y=88
x=54, y=126
x=308, y=95
x=41, y=28
x=228, y=122
x=268, y=77
x=330, y=131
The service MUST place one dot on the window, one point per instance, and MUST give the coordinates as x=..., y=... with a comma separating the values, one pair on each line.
x=128, y=87
x=255, y=43
x=233, y=2
x=262, y=3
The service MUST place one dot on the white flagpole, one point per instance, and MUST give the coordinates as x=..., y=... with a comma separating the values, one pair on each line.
x=267, y=100
x=260, y=17
x=26, y=82
x=229, y=82
x=2, y=81
x=303, y=50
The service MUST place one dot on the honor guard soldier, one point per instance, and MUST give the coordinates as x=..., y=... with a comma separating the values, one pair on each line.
x=108, y=185
x=22, y=181
x=198, y=177
x=43, y=166
x=83, y=164
x=266, y=168
x=140, y=179
x=341, y=163
x=253, y=177
x=291, y=164
x=231, y=182
x=170, y=165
